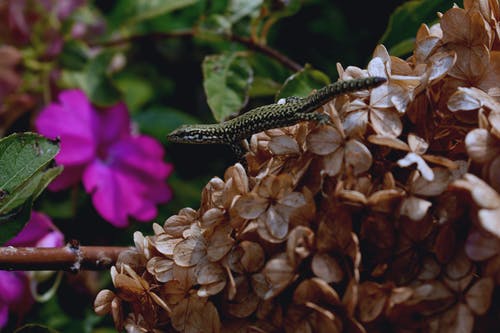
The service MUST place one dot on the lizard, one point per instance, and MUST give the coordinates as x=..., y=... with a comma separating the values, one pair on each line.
x=286, y=112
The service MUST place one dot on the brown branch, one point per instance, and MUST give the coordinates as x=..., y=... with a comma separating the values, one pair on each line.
x=247, y=42
x=264, y=49
x=67, y=258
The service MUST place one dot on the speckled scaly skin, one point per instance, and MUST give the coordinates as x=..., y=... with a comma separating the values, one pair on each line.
x=290, y=112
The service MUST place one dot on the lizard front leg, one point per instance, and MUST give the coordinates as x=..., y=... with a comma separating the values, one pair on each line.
x=240, y=149
x=320, y=118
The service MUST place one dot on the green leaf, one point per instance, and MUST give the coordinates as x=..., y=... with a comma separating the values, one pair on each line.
x=238, y=9
x=263, y=87
x=136, y=90
x=127, y=12
x=407, y=18
x=403, y=48
x=303, y=82
x=95, y=80
x=30, y=189
x=47, y=177
x=226, y=79
x=24, y=158
x=13, y=222
x=22, y=155
x=159, y=121
x=74, y=55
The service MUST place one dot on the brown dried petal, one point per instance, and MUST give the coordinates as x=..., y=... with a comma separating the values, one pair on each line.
x=161, y=268
x=412, y=158
x=333, y=162
x=194, y=315
x=212, y=278
x=102, y=302
x=441, y=63
x=299, y=244
x=417, y=144
x=386, y=122
x=478, y=297
x=190, y=251
x=283, y=145
x=481, y=146
x=460, y=268
x=490, y=221
x=355, y=122
x=327, y=268
x=415, y=208
x=220, y=243
x=482, y=194
x=176, y=224
x=384, y=200
x=316, y=291
x=165, y=244
x=212, y=217
x=457, y=319
x=238, y=176
x=251, y=206
x=463, y=101
x=246, y=301
x=387, y=141
x=324, y=140
x=253, y=257
x=480, y=247
x=279, y=273
x=357, y=156
x=423, y=187
x=276, y=222
x=372, y=301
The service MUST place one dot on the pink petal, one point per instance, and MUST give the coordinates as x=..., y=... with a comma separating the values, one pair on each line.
x=114, y=124
x=74, y=122
x=107, y=193
x=71, y=175
x=117, y=195
x=39, y=231
x=52, y=239
x=141, y=156
x=12, y=286
x=4, y=314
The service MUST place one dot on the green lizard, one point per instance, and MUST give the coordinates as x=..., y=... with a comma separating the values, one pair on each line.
x=285, y=112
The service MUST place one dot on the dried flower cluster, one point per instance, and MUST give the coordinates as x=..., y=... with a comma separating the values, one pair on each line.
x=387, y=220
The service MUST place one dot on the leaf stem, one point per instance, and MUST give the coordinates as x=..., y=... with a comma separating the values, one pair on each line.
x=68, y=258
x=245, y=41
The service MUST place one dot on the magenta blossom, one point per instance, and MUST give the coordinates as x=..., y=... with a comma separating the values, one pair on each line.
x=14, y=289
x=124, y=173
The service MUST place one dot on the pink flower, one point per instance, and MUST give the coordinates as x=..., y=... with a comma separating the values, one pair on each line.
x=124, y=173
x=14, y=290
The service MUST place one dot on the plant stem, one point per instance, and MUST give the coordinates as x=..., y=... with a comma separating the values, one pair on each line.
x=68, y=258
x=245, y=41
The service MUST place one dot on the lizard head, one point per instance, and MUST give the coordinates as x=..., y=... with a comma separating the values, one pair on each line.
x=194, y=134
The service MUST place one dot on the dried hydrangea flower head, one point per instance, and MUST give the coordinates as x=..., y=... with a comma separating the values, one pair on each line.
x=384, y=219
